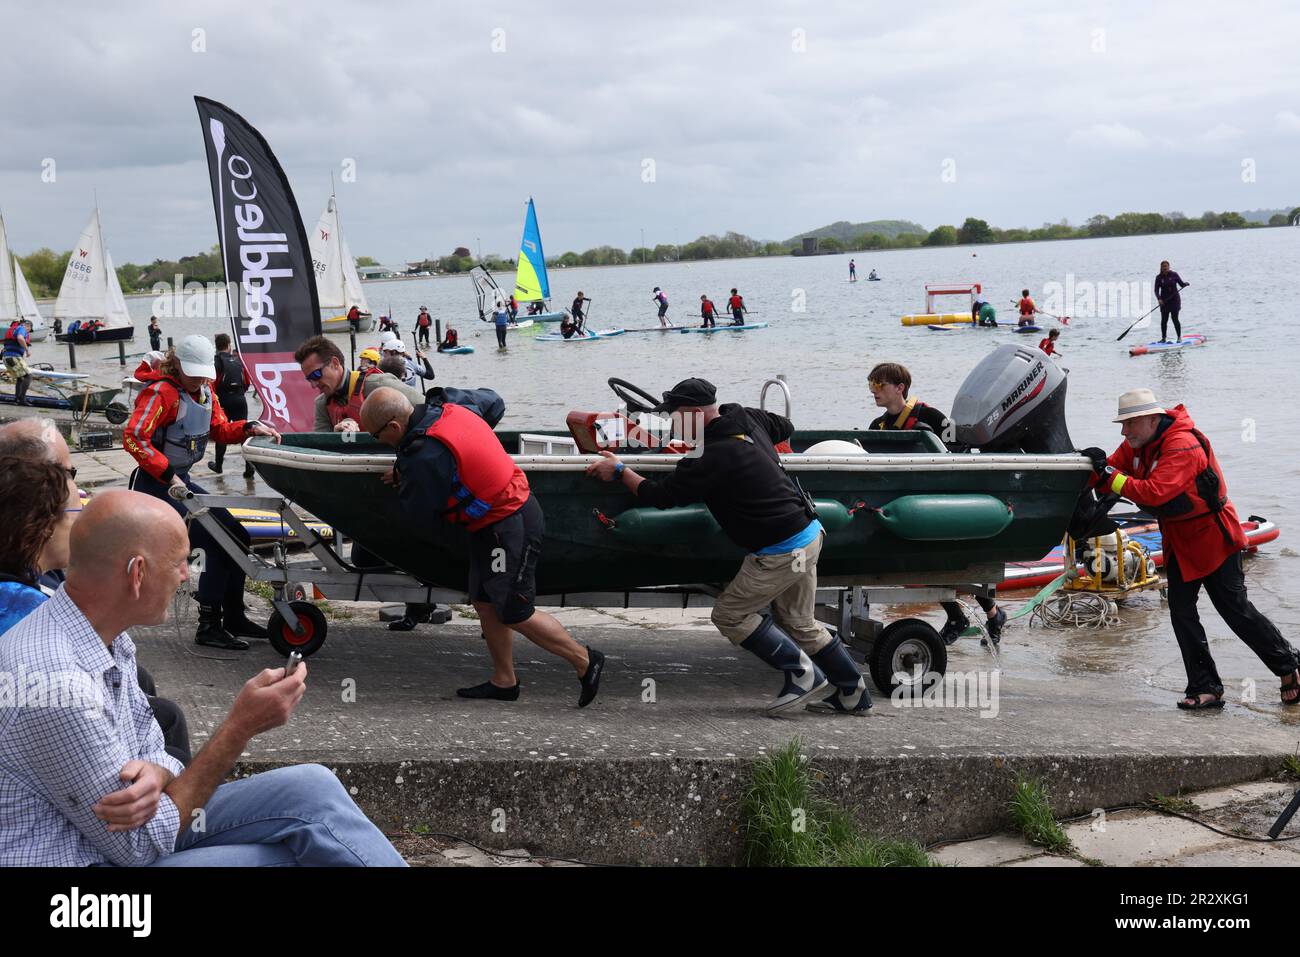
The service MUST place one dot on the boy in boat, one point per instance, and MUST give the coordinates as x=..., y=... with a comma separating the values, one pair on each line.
x=1048, y=345
x=1027, y=309
x=1166, y=466
x=737, y=474
x=738, y=308
x=451, y=468
x=890, y=383
x=709, y=311
x=662, y=301
x=1168, y=286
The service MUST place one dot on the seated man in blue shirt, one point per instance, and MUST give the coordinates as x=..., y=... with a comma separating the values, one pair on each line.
x=737, y=474
x=84, y=777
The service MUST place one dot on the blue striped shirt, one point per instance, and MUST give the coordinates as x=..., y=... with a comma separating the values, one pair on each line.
x=71, y=715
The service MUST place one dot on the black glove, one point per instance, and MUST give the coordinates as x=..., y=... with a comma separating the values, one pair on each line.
x=1097, y=457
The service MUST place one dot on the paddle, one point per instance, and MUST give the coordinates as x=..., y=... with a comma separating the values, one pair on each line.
x=1135, y=325
x=1063, y=320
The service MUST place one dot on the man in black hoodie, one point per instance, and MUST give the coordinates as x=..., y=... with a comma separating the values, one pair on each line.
x=736, y=472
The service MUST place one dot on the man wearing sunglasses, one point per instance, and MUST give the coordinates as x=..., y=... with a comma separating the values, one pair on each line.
x=342, y=390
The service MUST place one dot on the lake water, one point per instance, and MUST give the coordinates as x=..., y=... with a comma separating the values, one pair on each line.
x=825, y=334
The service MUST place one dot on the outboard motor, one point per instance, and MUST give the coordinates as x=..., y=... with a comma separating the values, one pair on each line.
x=1013, y=401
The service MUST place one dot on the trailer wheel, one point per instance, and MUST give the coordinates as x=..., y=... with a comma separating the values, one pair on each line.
x=314, y=626
x=904, y=647
x=116, y=413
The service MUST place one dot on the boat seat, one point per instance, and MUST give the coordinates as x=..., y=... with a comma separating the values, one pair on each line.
x=615, y=432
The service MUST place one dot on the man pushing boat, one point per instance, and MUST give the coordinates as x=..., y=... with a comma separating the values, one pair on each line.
x=451, y=468
x=736, y=472
x=342, y=390
x=1166, y=466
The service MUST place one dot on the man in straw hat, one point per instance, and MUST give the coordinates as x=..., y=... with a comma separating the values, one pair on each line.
x=1167, y=467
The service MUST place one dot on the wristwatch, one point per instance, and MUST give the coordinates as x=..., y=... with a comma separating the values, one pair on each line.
x=618, y=468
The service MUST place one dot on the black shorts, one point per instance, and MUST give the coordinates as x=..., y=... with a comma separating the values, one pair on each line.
x=663, y=310
x=503, y=563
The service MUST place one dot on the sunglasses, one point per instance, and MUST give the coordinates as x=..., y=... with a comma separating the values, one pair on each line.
x=315, y=375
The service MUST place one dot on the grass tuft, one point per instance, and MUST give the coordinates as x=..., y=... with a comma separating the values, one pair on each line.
x=1033, y=815
x=1291, y=766
x=1174, y=805
x=787, y=824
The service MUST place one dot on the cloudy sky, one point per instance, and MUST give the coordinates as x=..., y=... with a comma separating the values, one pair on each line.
x=679, y=118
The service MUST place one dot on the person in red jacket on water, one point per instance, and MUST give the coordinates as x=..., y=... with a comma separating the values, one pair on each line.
x=1167, y=467
x=1048, y=345
x=175, y=416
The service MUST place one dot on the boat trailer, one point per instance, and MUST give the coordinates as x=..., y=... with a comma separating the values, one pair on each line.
x=904, y=652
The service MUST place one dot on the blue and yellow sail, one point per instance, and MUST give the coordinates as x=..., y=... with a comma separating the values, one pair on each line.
x=531, y=284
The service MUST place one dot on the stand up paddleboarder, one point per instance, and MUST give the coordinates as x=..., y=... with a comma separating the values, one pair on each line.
x=1168, y=284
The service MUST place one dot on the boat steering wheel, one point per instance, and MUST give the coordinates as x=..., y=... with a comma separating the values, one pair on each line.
x=632, y=396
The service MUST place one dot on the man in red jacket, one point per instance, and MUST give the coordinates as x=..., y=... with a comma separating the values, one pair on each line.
x=1167, y=467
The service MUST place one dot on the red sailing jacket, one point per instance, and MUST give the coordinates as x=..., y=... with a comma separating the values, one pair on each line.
x=489, y=485
x=354, y=396
x=155, y=409
x=1162, y=476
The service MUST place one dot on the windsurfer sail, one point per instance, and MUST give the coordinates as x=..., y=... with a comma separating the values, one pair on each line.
x=531, y=283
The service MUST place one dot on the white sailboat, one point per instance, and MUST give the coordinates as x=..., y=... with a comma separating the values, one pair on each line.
x=338, y=285
x=16, y=300
x=91, y=293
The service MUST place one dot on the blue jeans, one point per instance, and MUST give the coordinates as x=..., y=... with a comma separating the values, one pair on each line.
x=293, y=816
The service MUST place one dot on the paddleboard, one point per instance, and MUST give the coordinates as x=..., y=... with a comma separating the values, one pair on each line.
x=745, y=328
x=458, y=351
x=591, y=335
x=942, y=328
x=266, y=526
x=1140, y=528
x=1028, y=329
x=873, y=279
x=58, y=376
x=1187, y=342
x=656, y=329
x=516, y=326
x=37, y=401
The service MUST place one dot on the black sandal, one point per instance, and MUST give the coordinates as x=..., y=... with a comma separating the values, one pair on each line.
x=1216, y=701
x=1292, y=685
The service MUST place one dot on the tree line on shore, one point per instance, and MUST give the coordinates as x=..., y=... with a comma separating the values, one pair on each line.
x=44, y=268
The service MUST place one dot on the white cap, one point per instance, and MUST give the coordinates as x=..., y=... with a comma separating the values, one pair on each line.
x=387, y=335
x=197, y=356
x=393, y=345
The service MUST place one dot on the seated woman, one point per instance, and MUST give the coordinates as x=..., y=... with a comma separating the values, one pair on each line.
x=452, y=340
x=48, y=501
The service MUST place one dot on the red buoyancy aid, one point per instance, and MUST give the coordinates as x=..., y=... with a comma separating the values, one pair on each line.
x=12, y=334
x=1027, y=307
x=736, y=302
x=453, y=338
x=489, y=486
x=350, y=407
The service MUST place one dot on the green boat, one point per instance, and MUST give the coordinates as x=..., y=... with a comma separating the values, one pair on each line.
x=897, y=507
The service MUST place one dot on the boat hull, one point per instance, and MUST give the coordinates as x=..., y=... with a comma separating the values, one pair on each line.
x=341, y=324
x=338, y=480
x=103, y=335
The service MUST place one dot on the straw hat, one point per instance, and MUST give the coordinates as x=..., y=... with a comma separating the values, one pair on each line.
x=1137, y=402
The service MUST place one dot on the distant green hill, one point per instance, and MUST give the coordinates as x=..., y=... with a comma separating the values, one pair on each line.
x=846, y=232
